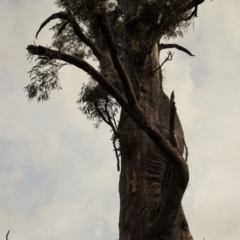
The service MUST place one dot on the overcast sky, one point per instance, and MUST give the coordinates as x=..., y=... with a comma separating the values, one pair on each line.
x=58, y=177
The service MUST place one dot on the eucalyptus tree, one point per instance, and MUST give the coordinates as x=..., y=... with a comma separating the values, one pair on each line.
x=125, y=38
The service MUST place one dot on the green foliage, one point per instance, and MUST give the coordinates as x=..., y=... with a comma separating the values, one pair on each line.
x=68, y=42
x=163, y=16
x=84, y=9
x=98, y=105
x=44, y=78
x=167, y=17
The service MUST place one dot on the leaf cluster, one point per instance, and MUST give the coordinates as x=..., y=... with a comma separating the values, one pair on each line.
x=66, y=41
x=44, y=78
x=98, y=105
x=166, y=16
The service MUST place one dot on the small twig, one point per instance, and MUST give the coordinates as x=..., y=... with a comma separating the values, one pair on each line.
x=116, y=153
x=63, y=25
x=7, y=234
x=168, y=58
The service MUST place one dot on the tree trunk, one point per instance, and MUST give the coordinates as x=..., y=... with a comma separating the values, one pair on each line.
x=144, y=168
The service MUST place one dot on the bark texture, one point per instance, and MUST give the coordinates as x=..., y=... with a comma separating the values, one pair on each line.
x=145, y=169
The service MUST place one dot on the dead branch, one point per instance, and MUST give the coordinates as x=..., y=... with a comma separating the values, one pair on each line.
x=169, y=45
x=76, y=28
x=172, y=128
x=7, y=234
x=63, y=25
x=168, y=58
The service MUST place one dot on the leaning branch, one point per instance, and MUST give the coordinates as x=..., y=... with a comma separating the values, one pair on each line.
x=43, y=51
x=165, y=46
x=7, y=234
x=126, y=82
x=76, y=28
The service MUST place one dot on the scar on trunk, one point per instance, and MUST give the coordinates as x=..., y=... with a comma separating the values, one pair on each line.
x=134, y=183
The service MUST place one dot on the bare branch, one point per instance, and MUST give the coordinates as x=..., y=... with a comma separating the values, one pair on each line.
x=61, y=15
x=76, y=28
x=126, y=82
x=165, y=46
x=116, y=153
x=64, y=24
x=168, y=58
x=7, y=234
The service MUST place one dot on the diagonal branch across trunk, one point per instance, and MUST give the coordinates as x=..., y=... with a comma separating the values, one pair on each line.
x=126, y=82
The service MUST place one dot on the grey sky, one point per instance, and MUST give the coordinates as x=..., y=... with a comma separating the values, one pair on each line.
x=58, y=174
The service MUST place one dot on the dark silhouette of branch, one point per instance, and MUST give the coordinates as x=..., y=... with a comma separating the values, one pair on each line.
x=127, y=86
x=63, y=25
x=168, y=58
x=109, y=87
x=183, y=49
x=76, y=28
x=7, y=234
x=172, y=126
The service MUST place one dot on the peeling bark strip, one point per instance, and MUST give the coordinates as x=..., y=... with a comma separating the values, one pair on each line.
x=134, y=183
x=154, y=175
x=172, y=127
